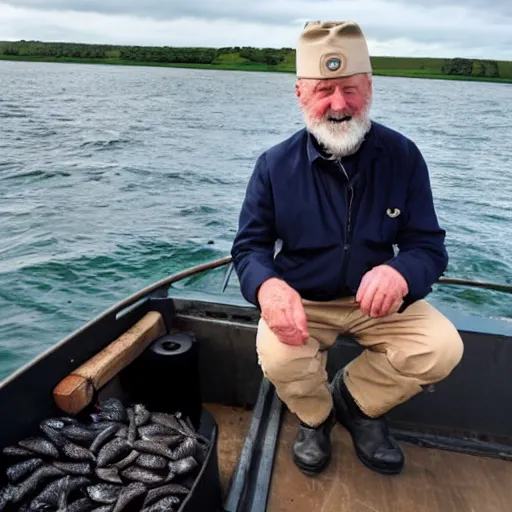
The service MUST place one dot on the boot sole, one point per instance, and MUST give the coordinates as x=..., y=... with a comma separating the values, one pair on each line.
x=369, y=465
x=311, y=470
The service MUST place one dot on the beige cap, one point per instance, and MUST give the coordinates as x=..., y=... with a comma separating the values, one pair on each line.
x=332, y=49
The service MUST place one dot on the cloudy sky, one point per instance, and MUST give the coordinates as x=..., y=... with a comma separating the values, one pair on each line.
x=444, y=28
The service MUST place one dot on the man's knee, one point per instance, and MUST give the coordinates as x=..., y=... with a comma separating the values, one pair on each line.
x=285, y=363
x=446, y=351
x=433, y=358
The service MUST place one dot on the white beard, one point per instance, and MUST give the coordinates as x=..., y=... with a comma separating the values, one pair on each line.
x=340, y=139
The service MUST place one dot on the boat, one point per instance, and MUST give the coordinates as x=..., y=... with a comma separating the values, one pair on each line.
x=197, y=355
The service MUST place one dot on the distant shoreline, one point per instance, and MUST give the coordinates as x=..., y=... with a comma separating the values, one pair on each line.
x=252, y=67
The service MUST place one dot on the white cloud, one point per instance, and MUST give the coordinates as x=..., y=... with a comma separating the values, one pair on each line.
x=392, y=28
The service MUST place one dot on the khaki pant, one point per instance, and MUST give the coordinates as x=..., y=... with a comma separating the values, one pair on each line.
x=404, y=352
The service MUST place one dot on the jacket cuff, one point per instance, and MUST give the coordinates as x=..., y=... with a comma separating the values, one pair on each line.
x=253, y=282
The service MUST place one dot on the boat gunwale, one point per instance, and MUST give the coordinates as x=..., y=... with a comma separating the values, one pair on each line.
x=116, y=308
x=146, y=292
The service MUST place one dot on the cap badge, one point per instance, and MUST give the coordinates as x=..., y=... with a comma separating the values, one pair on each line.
x=333, y=64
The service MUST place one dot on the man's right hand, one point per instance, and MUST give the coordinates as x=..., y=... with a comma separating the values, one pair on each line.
x=282, y=309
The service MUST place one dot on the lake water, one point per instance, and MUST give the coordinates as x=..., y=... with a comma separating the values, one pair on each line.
x=114, y=177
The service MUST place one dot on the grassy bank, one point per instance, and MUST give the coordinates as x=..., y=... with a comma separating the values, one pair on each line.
x=248, y=59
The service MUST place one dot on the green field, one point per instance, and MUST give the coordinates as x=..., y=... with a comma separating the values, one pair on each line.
x=247, y=59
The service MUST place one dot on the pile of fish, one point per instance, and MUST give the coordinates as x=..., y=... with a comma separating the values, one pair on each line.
x=123, y=459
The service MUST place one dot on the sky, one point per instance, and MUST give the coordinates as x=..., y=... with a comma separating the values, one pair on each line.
x=424, y=28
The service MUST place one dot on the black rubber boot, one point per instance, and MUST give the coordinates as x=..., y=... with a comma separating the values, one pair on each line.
x=374, y=445
x=312, y=447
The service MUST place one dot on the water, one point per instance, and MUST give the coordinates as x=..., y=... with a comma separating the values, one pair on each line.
x=114, y=177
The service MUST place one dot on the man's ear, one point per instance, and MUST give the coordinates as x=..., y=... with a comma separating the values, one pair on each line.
x=297, y=89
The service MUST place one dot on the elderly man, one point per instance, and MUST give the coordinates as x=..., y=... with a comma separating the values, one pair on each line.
x=338, y=234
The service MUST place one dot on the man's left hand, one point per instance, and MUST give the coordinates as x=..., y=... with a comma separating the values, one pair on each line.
x=381, y=291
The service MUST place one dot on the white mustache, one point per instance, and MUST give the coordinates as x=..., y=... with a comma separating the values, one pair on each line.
x=337, y=115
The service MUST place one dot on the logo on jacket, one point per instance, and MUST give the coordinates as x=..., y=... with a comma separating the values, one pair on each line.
x=395, y=212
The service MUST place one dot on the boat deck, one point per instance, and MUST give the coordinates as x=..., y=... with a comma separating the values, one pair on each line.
x=432, y=481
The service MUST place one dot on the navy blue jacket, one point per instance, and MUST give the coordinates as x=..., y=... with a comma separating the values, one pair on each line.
x=321, y=224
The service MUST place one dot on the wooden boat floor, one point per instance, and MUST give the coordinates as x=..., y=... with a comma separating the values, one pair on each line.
x=432, y=481
x=233, y=423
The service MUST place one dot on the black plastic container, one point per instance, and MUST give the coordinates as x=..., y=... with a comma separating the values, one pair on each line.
x=165, y=377
x=205, y=495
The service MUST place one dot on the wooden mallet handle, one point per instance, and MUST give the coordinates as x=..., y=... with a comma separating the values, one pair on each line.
x=76, y=391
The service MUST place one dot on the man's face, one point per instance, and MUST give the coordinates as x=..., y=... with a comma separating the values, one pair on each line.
x=337, y=110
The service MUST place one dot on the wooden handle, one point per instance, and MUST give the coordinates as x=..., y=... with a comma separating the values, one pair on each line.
x=76, y=391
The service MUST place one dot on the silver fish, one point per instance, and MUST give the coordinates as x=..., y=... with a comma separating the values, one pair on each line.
x=169, y=441
x=154, y=448
x=165, y=490
x=16, y=451
x=183, y=466
x=104, y=493
x=53, y=423
x=33, y=481
x=49, y=496
x=131, y=457
x=74, y=451
x=141, y=475
x=79, y=433
x=186, y=424
x=163, y=505
x=185, y=449
x=178, y=424
x=112, y=404
x=155, y=429
x=128, y=494
x=114, y=450
x=102, y=425
x=132, y=427
x=67, y=420
x=40, y=445
x=142, y=415
x=109, y=475
x=149, y=461
x=110, y=409
x=6, y=495
x=81, y=505
x=18, y=471
x=52, y=493
x=103, y=437
x=63, y=503
x=74, y=468
x=169, y=421
x=123, y=431
x=71, y=450
x=104, y=508
x=59, y=423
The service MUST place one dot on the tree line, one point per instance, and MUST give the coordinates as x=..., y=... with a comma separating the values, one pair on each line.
x=195, y=55
x=471, y=67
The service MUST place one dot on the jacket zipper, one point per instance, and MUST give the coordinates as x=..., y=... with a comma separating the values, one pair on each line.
x=348, y=233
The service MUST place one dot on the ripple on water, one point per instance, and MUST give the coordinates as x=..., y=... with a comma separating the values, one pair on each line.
x=105, y=145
